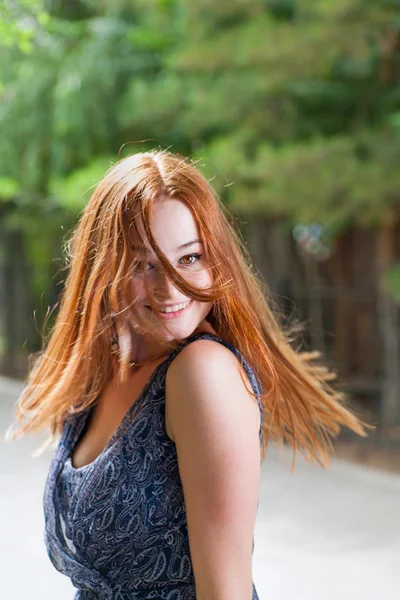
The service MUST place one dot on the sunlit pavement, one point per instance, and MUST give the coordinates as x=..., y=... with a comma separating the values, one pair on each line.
x=320, y=535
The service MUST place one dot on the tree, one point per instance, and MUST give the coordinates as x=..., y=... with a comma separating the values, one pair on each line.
x=291, y=107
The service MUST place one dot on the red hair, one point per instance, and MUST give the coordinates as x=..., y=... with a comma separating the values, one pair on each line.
x=299, y=403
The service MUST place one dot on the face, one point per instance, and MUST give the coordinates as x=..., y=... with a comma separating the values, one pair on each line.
x=175, y=231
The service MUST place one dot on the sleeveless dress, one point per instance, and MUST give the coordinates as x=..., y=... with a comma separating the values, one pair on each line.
x=117, y=526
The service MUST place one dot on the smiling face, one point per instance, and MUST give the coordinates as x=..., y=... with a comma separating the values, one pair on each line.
x=175, y=231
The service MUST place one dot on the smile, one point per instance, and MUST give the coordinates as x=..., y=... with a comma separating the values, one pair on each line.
x=175, y=308
x=170, y=312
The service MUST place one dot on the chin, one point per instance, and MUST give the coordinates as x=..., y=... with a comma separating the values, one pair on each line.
x=181, y=327
x=179, y=331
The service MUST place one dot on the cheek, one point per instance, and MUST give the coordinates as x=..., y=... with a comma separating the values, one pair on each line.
x=207, y=278
x=203, y=277
x=138, y=289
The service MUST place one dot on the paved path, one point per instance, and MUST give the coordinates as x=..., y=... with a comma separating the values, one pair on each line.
x=320, y=535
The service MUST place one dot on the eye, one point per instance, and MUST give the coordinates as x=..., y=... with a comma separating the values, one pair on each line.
x=140, y=266
x=190, y=259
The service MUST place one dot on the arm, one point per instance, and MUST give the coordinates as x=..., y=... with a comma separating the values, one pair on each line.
x=215, y=425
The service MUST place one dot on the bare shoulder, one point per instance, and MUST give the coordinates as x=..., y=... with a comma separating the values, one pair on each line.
x=207, y=380
x=215, y=426
x=205, y=355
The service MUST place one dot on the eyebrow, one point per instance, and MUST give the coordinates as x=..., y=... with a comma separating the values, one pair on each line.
x=182, y=246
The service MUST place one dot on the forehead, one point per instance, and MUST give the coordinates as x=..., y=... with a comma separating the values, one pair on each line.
x=172, y=224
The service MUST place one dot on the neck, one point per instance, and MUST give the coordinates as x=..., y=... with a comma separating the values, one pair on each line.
x=146, y=351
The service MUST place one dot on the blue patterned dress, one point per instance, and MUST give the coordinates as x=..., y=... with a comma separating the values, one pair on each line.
x=117, y=526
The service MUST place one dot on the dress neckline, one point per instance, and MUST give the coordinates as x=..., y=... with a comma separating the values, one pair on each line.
x=82, y=418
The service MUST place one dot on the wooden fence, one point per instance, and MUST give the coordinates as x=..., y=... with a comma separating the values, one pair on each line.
x=338, y=293
x=335, y=291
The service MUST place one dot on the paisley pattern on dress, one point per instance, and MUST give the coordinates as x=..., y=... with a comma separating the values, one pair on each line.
x=117, y=526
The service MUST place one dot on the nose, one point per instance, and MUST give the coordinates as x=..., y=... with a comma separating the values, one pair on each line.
x=163, y=288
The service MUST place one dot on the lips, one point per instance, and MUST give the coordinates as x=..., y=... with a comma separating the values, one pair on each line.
x=173, y=310
x=168, y=308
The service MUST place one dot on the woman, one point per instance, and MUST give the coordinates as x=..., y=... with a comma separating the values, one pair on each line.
x=165, y=370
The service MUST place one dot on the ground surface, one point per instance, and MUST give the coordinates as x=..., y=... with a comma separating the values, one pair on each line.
x=320, y=534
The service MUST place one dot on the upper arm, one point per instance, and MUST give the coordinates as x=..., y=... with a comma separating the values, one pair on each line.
x=215, y=425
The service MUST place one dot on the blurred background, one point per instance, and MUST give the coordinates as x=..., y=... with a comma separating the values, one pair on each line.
x=291, y=109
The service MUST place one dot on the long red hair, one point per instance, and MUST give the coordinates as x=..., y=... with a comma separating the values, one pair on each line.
x=299, y=404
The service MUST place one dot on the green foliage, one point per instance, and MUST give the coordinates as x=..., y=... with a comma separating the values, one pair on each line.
x=19, y=21
x=391, y=282
x=73, y=191
x=343, y=179
x=9, y=188
x=277, y=98
x=290, y=107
